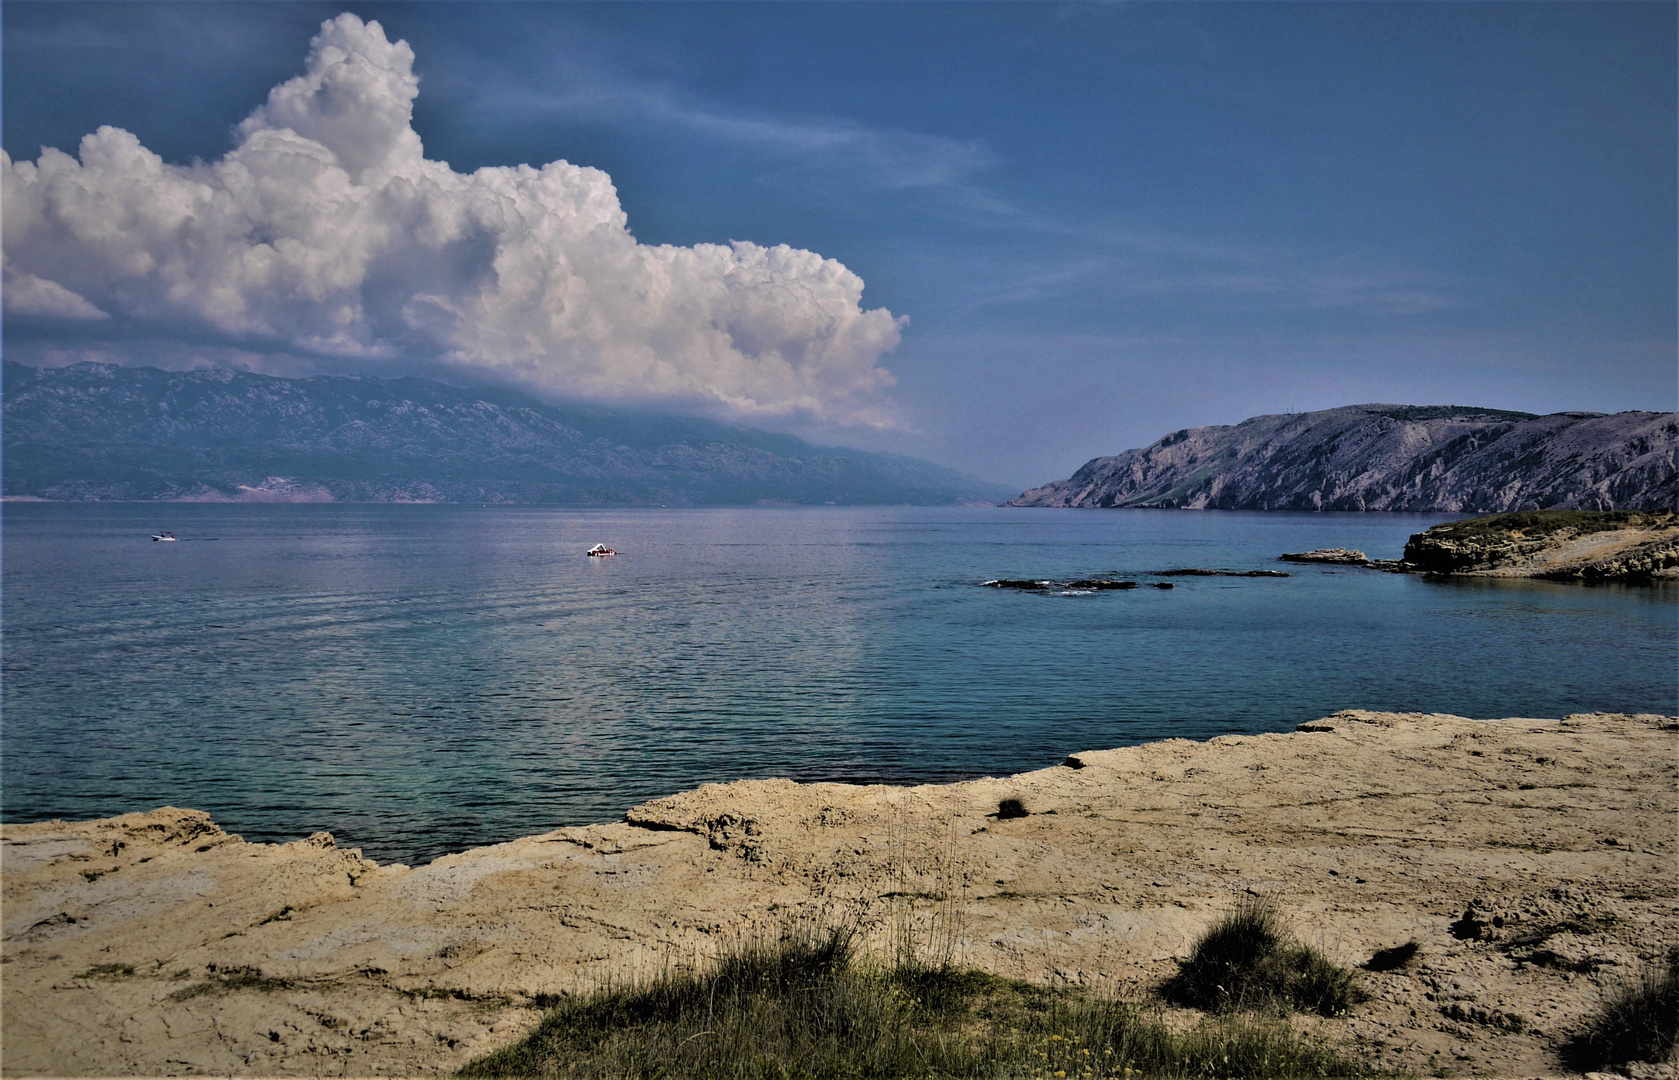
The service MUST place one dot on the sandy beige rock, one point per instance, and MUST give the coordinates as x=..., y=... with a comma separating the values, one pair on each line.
x=155, y=944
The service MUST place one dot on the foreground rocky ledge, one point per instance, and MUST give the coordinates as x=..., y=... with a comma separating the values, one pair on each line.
x=1531, y=860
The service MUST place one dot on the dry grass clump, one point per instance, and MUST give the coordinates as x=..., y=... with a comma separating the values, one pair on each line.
x=229, y=979
x=1248, y=961
x=808, y=1005
x=1638, y=1021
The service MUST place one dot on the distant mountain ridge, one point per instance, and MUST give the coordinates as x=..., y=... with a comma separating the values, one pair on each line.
x=1447, y=458
x=98, y=431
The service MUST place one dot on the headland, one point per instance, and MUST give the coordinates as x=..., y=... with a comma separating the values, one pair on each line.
x=1591, y=546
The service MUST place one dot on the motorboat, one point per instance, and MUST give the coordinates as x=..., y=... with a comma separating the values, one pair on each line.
x=599, y=550
x=165, y=535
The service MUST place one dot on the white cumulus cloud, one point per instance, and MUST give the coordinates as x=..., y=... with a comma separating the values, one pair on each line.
x=26, y=294
x=327, y=232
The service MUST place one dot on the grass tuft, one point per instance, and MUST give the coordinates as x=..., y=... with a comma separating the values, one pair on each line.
x=1248, y=961
x=107, y=971
x=230, y=979
x=1638, y=1021
x=808, y=1005
x=1011, y=807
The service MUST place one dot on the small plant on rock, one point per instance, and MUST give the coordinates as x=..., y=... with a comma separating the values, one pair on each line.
x=1638, y=1021
x=1248, y=961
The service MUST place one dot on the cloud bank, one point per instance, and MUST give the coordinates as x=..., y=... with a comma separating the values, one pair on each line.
x=326, y=233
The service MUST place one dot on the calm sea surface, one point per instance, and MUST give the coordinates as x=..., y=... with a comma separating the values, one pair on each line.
x=420, y=679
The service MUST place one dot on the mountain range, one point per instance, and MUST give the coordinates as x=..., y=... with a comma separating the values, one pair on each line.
x=99, y=431
x=1447, y=458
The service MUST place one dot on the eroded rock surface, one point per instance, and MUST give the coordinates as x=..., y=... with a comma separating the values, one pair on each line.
x=1531, y=861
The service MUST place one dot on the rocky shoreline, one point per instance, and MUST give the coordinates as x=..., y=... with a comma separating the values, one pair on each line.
x=155, y=943
x=1552, y=545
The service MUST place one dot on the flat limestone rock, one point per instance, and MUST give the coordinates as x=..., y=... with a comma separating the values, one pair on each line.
x=155, y=943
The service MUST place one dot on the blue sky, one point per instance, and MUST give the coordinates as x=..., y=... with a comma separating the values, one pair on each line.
x=1103, y=222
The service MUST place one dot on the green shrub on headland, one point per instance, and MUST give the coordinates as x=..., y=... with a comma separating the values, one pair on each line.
x=1537, y=523
x=808, y=1005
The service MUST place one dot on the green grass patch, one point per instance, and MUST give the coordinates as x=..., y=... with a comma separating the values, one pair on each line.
x=107, y=971
x=1638, y=1021
x=808, y=1005
x=1248, y=961
x=227, y=980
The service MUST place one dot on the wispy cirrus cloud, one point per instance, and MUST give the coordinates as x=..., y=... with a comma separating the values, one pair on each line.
x=885, y=157
x=1165, y=272
x=1012, y=250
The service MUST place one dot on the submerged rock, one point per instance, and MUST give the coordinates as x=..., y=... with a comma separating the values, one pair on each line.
x=1045, y=585
x=1349, y=556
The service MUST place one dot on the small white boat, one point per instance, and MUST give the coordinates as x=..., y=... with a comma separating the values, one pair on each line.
x=599, y=550
x=163, y=536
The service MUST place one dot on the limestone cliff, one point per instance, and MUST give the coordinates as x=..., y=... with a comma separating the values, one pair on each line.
x=1392, y=457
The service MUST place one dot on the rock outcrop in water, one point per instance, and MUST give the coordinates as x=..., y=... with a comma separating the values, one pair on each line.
x=1557, y=545
x=1334, y=556
x=97, y=431
x=1392, y=457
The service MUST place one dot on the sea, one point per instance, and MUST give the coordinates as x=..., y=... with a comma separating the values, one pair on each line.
x=422, y=679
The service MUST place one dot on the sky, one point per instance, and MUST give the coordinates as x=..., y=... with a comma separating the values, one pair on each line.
x=1006, y=237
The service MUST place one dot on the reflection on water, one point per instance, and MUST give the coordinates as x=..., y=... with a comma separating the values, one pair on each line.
x=419, y=679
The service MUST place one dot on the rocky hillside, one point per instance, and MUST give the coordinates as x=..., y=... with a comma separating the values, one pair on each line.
x=96, y=431
x=1392, y=457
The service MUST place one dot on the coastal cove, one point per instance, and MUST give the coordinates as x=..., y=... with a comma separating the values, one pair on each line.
x=425, y=679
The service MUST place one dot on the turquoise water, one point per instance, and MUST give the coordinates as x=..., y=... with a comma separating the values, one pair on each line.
x=419, y=679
